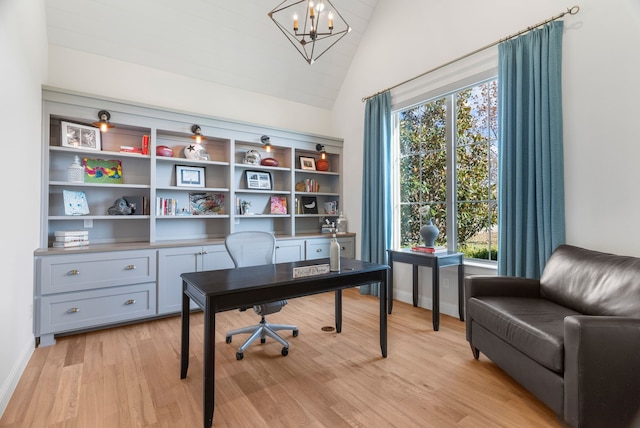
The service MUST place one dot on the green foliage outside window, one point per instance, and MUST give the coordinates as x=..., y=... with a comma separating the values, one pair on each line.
x=423, y=169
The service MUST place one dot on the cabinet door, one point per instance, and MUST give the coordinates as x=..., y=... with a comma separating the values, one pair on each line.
x=171, y=263
x=289, y=251
x=318, y=248
x=215, y=257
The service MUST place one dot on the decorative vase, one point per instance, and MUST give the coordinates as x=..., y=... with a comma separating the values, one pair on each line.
x=429, y=233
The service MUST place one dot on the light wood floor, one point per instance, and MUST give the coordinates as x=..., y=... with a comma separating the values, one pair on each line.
x=130, y=376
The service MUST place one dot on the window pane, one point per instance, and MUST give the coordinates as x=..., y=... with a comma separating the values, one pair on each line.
x=423, y=171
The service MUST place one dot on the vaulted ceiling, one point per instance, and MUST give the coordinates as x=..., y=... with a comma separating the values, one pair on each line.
x=229, y=42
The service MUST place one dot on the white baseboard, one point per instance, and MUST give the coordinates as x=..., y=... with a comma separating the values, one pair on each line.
x=426, y=302
x=9, y=384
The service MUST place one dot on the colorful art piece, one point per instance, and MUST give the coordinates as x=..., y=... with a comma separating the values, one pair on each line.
x=205, y=203
x=102, y=171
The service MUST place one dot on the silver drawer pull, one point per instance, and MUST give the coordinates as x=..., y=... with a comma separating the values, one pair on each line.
x=73, y=311
x=205, y=252
x=319, y=250
x=130, y=267
x=343, y=248
x=130, y=302
x=73, y=272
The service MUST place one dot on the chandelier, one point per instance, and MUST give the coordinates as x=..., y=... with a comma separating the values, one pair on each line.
x=322, y=26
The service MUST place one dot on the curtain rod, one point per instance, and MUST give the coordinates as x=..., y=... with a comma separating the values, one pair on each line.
x=571, y=11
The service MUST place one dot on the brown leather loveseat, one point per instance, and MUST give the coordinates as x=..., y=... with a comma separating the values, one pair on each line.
x=571, y=338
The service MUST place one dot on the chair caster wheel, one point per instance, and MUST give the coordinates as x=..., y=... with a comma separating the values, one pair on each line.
x=239, y=356
x=228, y=339
x=295, y=333
x=285, y=352
x=263, y=340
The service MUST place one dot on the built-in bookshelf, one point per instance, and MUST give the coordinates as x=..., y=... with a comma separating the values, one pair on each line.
x=138, y=131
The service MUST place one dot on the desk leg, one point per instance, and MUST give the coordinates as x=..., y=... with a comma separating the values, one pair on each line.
x=435, y=286
x=184, y=349
x=209, y=361
x=461, y=290
x=339, y=311
x=390, y=286
x=415, y=286
x=383, y=318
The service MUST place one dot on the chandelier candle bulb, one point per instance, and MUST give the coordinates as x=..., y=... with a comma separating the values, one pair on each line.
x=295, y=22
x=330, y=21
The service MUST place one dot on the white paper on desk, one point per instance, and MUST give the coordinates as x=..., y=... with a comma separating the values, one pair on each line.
x=303, y=271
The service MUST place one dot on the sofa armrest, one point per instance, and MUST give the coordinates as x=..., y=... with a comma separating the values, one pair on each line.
x=487, y=285
x=602, y=370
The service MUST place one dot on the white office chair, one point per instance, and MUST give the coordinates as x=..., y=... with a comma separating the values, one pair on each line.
x=253, y=249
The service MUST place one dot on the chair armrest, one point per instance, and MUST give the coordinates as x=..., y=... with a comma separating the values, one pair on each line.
x=602, y=370
x=487, y=285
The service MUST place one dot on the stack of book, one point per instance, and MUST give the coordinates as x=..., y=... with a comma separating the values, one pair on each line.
x=71, y=238
x=423, y=249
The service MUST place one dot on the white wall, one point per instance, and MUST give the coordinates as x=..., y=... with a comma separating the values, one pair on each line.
x=600, y=96
x=131, y=82
x=23, y=49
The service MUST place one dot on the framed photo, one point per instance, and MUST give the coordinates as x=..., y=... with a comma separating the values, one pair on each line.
x=190, y=176
x=80, y=136
x=307, y=163
x=260, y=180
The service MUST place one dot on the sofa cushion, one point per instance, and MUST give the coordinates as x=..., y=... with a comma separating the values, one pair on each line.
x=533, y=326
x=592, y=283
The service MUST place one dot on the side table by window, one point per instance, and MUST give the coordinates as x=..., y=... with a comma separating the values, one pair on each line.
x=435, y=261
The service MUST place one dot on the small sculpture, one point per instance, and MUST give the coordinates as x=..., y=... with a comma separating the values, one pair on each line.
x=120, y=207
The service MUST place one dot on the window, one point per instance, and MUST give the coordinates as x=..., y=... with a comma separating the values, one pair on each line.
x=448, y=159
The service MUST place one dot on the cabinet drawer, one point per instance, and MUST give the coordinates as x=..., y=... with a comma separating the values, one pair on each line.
x=85, y=309
x=95, y=270
x=319, y=248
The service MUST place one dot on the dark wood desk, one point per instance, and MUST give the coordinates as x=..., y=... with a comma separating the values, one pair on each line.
x=435, y=261
x=222, y=290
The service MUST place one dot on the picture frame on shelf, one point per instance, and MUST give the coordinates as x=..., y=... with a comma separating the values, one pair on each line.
x=106, y=171
x=258, y=180
x=75, y=202
x=190, y=176
x=307, y=163
x=206, y=203
x=278, y=205
x=76, y=136
x=309, y=205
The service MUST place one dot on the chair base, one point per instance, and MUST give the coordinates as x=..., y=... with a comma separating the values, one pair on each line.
x=261, y=331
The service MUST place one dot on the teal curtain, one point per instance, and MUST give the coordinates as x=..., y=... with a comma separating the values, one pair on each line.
x=376, y=184
x=531, y=168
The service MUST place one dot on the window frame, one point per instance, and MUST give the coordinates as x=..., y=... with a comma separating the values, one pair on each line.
x=448, y=92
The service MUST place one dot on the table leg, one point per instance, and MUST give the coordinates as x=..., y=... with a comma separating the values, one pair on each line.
x=184, y=349
x=435, y=286
x=383, y=318
x=390, y=285
x=415, y=286
x=338, y=311
x=209, y=361
x=461, y=290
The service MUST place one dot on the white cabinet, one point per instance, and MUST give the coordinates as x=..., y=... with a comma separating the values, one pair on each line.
x=172, y=262
x=74, y=292
x=319, y=248
x=290, y=250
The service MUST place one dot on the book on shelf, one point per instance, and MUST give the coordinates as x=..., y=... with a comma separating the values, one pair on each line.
x=423, y=249
x=72, y=238
x=83, y=243
x=131, y=149
x=71, y=233
x=145, y=144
